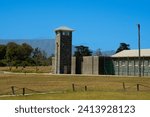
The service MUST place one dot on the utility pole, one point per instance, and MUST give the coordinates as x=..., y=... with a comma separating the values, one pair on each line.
x=139, y=47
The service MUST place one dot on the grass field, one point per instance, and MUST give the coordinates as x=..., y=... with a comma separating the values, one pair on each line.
x=59, y=87
x=28, y=69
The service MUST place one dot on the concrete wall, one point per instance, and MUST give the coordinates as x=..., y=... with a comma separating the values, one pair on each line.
x=96, y=65
x=87, y=65
x=90, y=65
x=73, y=65
x=53, y=65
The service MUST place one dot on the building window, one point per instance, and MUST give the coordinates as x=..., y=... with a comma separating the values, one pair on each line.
x=123, y=63
x=146, y=63
x=116, y=63
x=143, y=63
x=136, y=63
x=130, y=63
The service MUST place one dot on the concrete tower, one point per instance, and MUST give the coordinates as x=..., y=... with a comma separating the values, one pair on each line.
x=63, y=50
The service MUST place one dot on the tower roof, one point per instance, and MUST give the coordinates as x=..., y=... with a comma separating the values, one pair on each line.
x=64, y=28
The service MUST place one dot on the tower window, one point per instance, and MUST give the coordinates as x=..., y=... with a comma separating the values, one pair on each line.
x=66, y=33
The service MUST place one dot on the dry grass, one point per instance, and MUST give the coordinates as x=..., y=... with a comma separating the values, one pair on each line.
x=28, y=69
x=99, y=87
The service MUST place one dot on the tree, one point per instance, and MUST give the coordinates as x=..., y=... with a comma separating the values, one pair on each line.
x=2, y=51
x=27, y=50
x=98, y=52
x=11, y=54
x=2, y=55
x=82, y=51
x=18, y=54
x=79, y=53
x=123, y=46
x=36, y=55
x=14, y=54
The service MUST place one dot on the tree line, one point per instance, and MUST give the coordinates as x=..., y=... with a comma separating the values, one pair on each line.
x=14, y=54
x=85, y=51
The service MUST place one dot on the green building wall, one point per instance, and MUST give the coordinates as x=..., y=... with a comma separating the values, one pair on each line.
x=130, y=66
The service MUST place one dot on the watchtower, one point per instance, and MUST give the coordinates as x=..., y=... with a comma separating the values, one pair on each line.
x=63, y=50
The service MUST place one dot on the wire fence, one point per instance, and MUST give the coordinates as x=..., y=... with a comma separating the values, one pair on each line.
x=14, y=90
x=136, y=87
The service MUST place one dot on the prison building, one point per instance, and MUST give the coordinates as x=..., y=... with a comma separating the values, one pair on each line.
x=96, y=65
x=127, y=63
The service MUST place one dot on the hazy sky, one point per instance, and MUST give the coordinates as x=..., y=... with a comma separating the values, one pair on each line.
x=100, y=24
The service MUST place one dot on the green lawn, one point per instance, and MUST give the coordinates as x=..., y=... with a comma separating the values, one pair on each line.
x=45, y=87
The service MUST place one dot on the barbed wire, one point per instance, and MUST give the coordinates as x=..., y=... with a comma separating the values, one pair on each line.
x=130, y=87
x=144, y=85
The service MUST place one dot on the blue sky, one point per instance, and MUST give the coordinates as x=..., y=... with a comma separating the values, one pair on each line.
x=100, y=24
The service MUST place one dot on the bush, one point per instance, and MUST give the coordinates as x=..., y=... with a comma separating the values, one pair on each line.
x=3, y=63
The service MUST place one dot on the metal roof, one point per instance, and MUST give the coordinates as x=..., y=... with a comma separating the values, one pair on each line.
x=133, y=53
x=64, y=28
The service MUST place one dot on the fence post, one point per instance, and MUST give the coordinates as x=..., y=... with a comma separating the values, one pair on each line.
x=138, y=87
x=23, y=91
x=25, y=73
x=13, y=90
x=73, y=87
x=85, y=88
x=124, y=88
